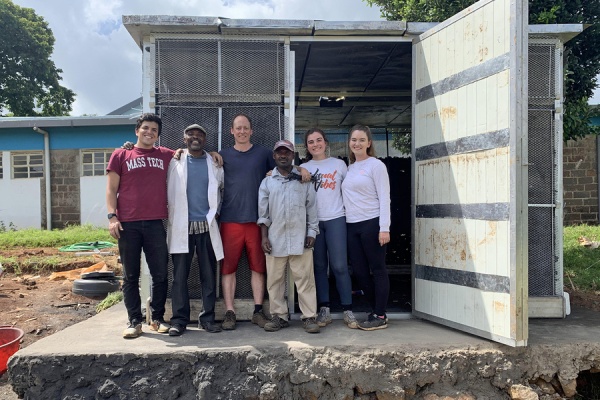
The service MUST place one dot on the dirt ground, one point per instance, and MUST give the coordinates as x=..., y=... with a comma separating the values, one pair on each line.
x=41, y=307
x=38, y=306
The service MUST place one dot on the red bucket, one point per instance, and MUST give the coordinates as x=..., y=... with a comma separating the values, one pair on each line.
x=10, y=340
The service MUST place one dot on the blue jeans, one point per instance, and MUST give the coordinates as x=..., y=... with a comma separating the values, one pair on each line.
x=330, y=250
x=368, y=263
x=151, y=237
x=181, y=270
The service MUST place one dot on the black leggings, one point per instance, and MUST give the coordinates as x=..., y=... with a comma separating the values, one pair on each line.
x=368, y=257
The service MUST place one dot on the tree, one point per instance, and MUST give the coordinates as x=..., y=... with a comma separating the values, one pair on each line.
x=583, y=53
x=29, y=80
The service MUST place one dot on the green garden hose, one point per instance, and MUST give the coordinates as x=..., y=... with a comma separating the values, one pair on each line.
x=87, y=246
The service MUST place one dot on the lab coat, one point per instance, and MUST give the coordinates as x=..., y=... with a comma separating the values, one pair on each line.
x=177, y=233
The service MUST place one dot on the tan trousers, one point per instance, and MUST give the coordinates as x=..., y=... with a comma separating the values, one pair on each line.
x=303, y=275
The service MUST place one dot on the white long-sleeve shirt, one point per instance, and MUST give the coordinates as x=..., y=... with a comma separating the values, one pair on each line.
x=366, y=192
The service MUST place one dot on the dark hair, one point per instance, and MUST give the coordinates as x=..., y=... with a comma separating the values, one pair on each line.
x=241, y=115
x=149, y=117
x=370, y=150
x=310, y=132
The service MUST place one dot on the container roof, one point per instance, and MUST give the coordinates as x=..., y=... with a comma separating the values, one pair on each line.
x=346, y=72
x=49, y=122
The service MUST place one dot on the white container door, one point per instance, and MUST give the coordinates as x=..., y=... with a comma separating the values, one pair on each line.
x=470, y=173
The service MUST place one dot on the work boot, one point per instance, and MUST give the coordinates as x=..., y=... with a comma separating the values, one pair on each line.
x=228, y=323
x=311, y=326
x=260, y=319
x=276, y=324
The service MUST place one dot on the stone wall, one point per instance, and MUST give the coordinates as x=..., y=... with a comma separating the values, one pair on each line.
x=580, y=180
x=64, y=185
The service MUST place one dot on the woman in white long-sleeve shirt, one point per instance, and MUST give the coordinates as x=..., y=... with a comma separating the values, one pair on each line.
x=366, y=193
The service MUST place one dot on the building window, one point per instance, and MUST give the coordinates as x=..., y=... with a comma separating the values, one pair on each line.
x=94, y=162
x=27, y=165
x=1, y=168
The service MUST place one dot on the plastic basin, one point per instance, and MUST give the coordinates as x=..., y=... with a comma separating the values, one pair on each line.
x=10, y=340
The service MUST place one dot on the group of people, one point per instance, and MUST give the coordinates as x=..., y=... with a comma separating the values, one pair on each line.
x=257, y=200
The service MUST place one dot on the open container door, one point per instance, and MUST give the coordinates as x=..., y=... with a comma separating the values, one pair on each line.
x=470, y=175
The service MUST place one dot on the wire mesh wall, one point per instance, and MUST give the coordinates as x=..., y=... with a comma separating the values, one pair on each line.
x=208, y=82
x=544, y=67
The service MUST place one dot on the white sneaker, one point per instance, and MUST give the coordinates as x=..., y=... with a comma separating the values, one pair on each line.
x=133, y=330
x=350, y=320
x=324, y=317
x=160, y=326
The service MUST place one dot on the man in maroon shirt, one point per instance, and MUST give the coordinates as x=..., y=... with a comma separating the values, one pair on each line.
x=136, y=199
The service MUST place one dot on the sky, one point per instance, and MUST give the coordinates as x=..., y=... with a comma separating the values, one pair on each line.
x=103, y=65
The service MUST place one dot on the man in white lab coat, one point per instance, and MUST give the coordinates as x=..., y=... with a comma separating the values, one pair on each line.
x=194, y=185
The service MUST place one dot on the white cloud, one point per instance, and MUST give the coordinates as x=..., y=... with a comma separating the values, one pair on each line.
x=103, y=65
x=100, y=10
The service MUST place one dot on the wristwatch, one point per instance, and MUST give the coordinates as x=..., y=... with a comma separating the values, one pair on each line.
x=110, y=215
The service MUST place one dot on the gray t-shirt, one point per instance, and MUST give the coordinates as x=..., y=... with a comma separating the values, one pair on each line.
x=244, y=171
x=197, y=188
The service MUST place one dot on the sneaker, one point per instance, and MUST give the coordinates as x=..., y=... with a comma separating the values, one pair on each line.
x=176, y=330
x=311, y=326
x=350, y=320
x=210, y=327
x=133, y=330
x=160, y=326
x=260, y=319
x=324, y=317
x=373, y=322
x=276, y=324
x=228, y=323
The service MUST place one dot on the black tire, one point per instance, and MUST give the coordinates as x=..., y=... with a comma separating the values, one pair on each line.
x=105, y=275
x=94, y=287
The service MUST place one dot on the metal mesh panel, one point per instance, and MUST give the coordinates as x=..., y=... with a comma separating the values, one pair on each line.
x=253, y=69
x=218, y=72
x=267, y=124
x=542, y=154
x=543, y=176
x=542, y=79
x=541, y=251
x=208, y=82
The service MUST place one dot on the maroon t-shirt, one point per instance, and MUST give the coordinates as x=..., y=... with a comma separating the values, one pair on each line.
x=142, y=194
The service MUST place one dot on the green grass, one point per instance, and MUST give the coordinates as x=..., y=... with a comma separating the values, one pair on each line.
x=54, y=238
x=109, y=301
x=581, y=264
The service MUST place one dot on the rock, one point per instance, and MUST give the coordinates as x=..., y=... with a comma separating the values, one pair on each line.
x=459, y=396
x=522, y=392
x=394, y=394
x=545, y=387
x=569, y=387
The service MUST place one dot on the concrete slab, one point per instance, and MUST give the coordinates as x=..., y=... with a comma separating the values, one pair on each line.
x=409, y=359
